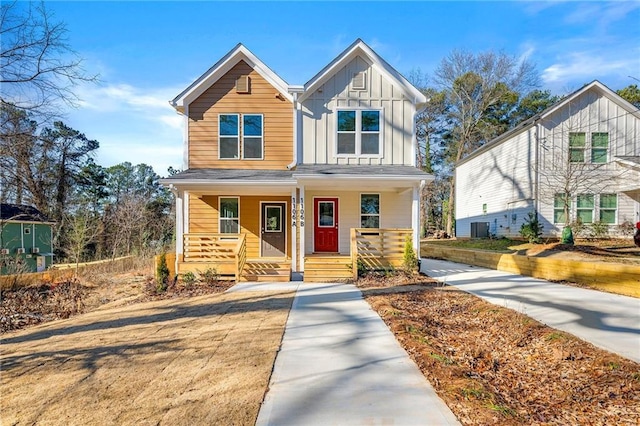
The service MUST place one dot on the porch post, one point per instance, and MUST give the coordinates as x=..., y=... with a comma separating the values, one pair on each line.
x=415, y=219
x=301, y=227
x=179, y=227
x=294, y=227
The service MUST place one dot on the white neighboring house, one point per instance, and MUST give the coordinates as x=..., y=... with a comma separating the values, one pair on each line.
x=586, y=146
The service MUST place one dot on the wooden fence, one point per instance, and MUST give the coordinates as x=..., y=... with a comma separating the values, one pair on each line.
x=67, y=271
x=378, y=248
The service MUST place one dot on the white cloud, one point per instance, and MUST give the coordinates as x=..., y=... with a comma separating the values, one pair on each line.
x=585, y=65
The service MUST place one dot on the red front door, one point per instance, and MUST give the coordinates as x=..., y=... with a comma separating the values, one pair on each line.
x=325, y=225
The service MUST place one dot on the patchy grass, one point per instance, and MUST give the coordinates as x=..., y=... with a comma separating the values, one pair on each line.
x=496, y=366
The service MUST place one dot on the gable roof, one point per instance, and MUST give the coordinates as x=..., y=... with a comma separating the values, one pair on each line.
x=21, y=213
x=527, y=124
x=220, y=68
x=360, y=48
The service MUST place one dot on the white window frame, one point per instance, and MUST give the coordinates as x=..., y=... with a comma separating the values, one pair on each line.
x=261, y=137
x=240, y=144
x=220, y=136
x=358, y=133
x=591, y=147
x=379, y=214
x=220, y=218
x=615, y=210
x=592, y=209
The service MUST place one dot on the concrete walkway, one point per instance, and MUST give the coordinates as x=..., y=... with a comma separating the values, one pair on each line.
x=609, y=321
x=340, y=365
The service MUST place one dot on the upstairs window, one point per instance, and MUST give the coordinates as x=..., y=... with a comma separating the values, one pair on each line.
x=358, y=133
x=247, y=128
x=229, y=134
x=252, y=136
x=370, y=210
x=577, y=145
x=599, y=147
x=608, y=208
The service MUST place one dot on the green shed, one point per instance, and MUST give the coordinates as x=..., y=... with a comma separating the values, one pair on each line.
x=25, y=239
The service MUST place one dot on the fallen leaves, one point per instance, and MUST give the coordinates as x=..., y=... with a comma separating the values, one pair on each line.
x=493, y=365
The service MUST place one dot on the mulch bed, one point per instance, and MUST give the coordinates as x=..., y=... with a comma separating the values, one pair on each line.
x=493, y=365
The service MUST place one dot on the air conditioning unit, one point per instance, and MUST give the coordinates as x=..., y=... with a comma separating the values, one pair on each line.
x=4, y=251
x=35, y=250
x=20, y=250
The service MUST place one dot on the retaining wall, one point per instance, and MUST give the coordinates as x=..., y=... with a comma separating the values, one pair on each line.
x=614, y=277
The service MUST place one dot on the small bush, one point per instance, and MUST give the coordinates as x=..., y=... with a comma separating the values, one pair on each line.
x=531, y=229
x=409, y=259
x=162, y=274
x=598, y=230
x=189, y=279
x=209, y=276
x=577, y=227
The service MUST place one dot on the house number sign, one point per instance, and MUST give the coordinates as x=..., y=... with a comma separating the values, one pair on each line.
x=293, y=212
x=301, y=212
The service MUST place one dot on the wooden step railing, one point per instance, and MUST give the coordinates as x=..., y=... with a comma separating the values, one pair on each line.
x=227, y=251
x=377, y=248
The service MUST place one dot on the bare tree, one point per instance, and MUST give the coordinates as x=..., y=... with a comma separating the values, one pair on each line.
x=83, y=228
x=38, y=69
x=480, y=90
x=572, y=165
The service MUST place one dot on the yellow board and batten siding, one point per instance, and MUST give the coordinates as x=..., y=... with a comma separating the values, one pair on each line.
x=222, y=98
x=204, y=215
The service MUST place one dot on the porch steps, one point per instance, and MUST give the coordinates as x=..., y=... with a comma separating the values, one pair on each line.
x=271, y=270
x=327, y=268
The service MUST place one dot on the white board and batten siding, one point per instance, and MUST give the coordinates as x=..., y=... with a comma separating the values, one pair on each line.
x=503, y=179
x=504, y=176
x=395, y=212
x=396, y=120
x=592, y=112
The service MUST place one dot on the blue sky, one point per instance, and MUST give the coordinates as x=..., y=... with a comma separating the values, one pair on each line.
x=147, y=52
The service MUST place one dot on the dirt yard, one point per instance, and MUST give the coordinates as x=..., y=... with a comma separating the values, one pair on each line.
x=495, y=366
x=182, y=361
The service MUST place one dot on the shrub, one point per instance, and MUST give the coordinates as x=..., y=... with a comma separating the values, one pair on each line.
x=577, y=227
x=209, y=276
x=531, y=229
x=409, y=259
x=598, y=230
x=189, y=278
x=162, y=274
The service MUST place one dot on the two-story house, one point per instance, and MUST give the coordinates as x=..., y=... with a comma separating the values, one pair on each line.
x=26, y=239
x=310, y=179
x=576, y=162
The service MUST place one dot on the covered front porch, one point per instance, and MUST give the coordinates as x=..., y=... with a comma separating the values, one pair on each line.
x=369, y=249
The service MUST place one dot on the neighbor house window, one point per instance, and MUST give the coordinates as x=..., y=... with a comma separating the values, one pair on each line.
x=229, y=136
x=358, y=132
x=577, y=146
x=235, y=127
x=229, y=215
x=558, y=208
x=608, y=208
x=584, y=208
x=370, y=210
x=599, y=147
x=252, y=136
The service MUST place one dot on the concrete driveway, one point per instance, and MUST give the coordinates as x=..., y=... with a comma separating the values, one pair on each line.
x=609, y=321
